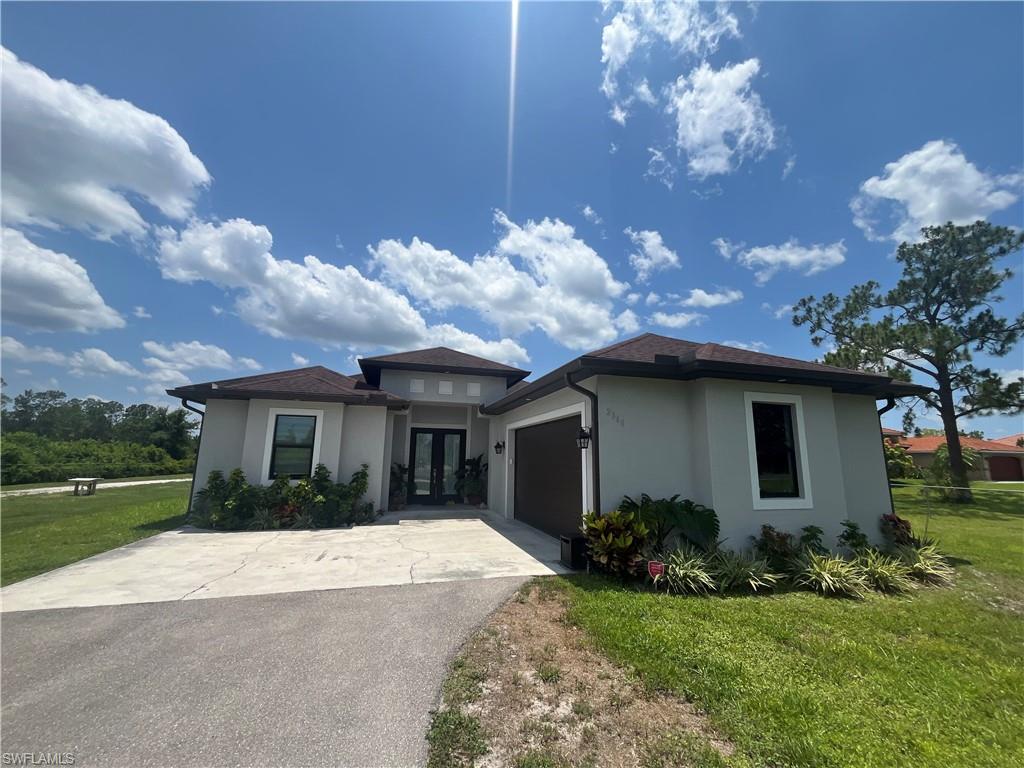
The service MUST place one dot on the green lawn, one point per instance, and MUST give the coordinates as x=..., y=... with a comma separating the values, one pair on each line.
x=935, y=679
x=40, y=533
x=29, y=486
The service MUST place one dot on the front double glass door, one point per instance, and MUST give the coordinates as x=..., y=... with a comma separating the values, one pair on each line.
x=436, y=458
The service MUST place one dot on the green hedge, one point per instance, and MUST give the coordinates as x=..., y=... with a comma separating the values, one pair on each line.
x=29, y=458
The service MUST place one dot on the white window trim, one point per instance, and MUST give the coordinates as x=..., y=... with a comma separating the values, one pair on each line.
x=416, y=386
x=805, y=500
x=272, y=415
x=445, y=382
x=471, y=386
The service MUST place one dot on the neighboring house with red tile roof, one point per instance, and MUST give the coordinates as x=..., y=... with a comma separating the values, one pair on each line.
x=892, y=435
x=999, y=461
x=1015, y=440
x=758, y=437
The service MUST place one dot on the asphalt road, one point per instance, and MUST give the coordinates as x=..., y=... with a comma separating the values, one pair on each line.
x=327, y=678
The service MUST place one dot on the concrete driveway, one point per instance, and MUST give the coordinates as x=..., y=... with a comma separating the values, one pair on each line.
x=319, y=678
x=190, y=564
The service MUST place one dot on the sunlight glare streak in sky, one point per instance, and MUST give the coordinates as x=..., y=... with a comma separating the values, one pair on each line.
x=511, y=105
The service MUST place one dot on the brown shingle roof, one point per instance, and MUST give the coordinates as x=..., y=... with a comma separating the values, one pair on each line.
x=654, y=355
x=313, y=383
x=649, y=347
x=438, y=360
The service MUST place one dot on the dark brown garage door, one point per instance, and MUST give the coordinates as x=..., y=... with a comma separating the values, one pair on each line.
x=1005, y=468
x=549, y=477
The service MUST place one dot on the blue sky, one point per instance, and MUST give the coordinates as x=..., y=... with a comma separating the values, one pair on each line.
x=277, y=184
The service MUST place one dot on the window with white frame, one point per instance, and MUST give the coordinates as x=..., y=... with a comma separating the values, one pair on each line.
x=473, y=389
x=778, y=451
x=415, y=385
x=444, y=387
x=292, y=446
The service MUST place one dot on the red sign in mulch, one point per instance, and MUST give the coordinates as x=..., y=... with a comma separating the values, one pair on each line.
x=655, y=568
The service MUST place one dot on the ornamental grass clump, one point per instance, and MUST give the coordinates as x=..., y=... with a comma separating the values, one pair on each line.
x=740, y=572
x=884, y=573
x=830, y=575
x=687, y=572
x=927, y=565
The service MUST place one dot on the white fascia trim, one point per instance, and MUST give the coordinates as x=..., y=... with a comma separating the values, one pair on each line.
x=805, y=500
x=272, y=415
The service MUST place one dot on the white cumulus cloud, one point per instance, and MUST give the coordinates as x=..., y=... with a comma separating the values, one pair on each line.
x=652, y=255
x=73, y=156
x=538, y=276
x=312, y=300
x=767, y=260
x=720, y=120
x=141, y=313
x=700, y=298
x=684, y=26
x=187, y=355
x=299, y=360
x=931, y=185
x=12, y=349
x=753, y=346
x=591, y=215
x=677, y=319
x=97, y=362
x=48, y=291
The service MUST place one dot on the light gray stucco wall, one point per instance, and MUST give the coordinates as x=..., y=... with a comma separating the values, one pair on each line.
x=399, y=450
x=439, y=415
x=646, y=438
x=397, y=383
x=732, y=492
x=223, y=436
x=258, y=419
x=363, y=442
x=864, y=478
x=479, y=439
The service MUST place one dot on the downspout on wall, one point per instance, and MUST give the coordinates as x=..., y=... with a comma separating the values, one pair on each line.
x=595, y=443
x=202, y=422
x=890, y=403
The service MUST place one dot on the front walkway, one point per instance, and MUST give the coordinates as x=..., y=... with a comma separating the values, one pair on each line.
x=411, y=547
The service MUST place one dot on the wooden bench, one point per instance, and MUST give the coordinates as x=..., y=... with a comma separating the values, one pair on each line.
x=84, y=486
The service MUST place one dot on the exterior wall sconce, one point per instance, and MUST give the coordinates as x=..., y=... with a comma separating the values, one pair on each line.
x=499, y=447
x=583, y=438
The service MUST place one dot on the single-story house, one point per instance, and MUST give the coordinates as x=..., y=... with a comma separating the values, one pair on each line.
x=999, y=461
x=760, y=438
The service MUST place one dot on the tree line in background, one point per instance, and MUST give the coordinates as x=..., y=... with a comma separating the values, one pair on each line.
x=50, y=437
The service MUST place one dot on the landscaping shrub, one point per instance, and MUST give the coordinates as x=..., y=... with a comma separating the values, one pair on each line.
x=830, y=575
x=810, y=539
x=926, y=564
x=777, y=548
x=687, y=572
x=740, y=572
x=884, y=573
x=672, y=522
x=852, y=538
x=898, y=463
x=233, y=504
x=939, y=473
x=897, y=532
x=616, y=541
x=471, y=480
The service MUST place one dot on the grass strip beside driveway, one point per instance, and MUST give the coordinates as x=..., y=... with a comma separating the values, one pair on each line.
x=40, y=533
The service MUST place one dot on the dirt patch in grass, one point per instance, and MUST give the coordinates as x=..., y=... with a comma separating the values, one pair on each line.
x=543, y=698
